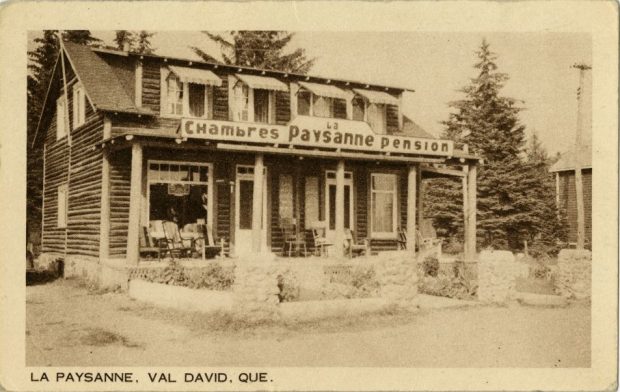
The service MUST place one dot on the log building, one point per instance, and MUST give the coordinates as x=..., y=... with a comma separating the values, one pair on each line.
x=130, y=137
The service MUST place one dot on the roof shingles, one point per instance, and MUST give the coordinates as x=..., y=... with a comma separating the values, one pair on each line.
x=101, y=83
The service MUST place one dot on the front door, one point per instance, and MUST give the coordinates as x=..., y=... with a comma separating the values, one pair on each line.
x=244, y=192
x=330, y=202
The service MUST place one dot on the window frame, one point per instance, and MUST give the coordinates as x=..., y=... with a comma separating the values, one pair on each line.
x=61, y=101
x=164, y=104
x=209, y=183
x=79, y=105
x=62, y=209
x=233, y=102
x=395, y=211
x=367, y=111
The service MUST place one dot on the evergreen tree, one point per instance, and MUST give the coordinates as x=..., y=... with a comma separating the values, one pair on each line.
x=143, y=43
x=260, y=49
x=123, y=37
x=509, y=206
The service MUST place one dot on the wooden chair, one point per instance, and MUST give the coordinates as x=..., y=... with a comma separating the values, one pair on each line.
x=293, y=241
x=320, y=242
x=427, y=236
x=210, y=247
x=354, y=246
x=176, y=243
x=402, y=239
x=149, y=245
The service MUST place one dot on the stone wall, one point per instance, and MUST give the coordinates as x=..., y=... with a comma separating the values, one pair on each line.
x=497, y=274
x=574, y=273
x=398, y=277
x=255, y=291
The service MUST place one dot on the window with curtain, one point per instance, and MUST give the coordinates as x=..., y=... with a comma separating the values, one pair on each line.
x=241, y=100
x=377, y=117
x=261, y=106
x=174, y=96
x=383, y=205
x=61, y=116
x=79, y=106
x=199, y=102
x=303, y=102
x=359, y=109
x=322, y=107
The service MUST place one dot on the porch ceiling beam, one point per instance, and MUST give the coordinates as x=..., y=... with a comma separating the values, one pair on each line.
x=443, y=171
x=324, y=154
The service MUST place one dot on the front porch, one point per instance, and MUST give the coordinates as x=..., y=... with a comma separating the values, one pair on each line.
x=250, y=201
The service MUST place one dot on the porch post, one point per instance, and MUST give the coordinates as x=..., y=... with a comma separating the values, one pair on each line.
x=104, y=225
x=135, y=196
x=420, y=198
x=470, y=229
x=412, y=179
x=257, y=203
x=339, y=238
x=465, y=204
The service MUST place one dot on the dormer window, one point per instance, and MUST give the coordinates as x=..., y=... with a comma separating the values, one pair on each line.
x=322, y=100
x=175, y=96
x=359, y=109
x=253, y=98
x=375, y=107
x=188, y=91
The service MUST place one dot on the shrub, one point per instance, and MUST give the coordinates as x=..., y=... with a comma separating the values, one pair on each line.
x=360, y=282
x=212, y=276
x=365, y=282
x=430, y=266
x=461, y=284
x=289, y=287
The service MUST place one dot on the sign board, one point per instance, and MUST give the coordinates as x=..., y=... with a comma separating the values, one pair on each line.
x=314, y=132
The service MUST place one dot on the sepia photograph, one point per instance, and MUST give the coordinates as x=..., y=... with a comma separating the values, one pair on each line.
x=208, y=205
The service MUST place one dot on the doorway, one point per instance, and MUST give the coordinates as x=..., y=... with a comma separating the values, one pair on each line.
x=330, y=202
x=244, y=195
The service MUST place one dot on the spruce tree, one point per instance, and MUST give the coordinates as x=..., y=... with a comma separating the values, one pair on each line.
x=509, y=207
x=123, y=37
x=143, y=42
x=260, y=49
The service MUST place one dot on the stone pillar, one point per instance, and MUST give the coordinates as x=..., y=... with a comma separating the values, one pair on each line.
x=340, y=237
x=497, y=276
x=574, y=278
x=412, y=178
x=257, y=204
x=133, y=232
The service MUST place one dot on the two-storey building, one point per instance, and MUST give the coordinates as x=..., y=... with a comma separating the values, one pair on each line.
x=132, y=138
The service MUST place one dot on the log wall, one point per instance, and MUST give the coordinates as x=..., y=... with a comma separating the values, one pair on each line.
x=81, y=236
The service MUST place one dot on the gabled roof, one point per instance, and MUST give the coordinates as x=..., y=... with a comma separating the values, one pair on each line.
x=567, y=160
x=411, y=128
x=99, y=80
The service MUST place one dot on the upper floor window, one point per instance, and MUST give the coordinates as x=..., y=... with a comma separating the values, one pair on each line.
x=241, y=102
x=79, y=106
x=61, y=117
x=188, y=91
x=359, y=109
x=377, y=117
x=253, y=98
x=322, y=100
x=174, y=96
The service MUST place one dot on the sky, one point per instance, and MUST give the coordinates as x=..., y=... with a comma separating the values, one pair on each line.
x=437, y=65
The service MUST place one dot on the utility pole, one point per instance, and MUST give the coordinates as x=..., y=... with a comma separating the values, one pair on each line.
x=581, y=227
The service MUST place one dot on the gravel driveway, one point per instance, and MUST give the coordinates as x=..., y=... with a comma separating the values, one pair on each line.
x=68, y=325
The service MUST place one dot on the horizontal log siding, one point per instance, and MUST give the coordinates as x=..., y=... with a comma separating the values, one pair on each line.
x=151, y=84
x=283, y=107
x=568, y=202
x=220, y=100
x=120, y=182
x=391, y=118
x=155, y=126
x=84, y=189
x=84, y=208
x=362, y=206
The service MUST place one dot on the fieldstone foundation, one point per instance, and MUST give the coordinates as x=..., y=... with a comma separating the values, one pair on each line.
x=497, y=274
x=574, y=273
